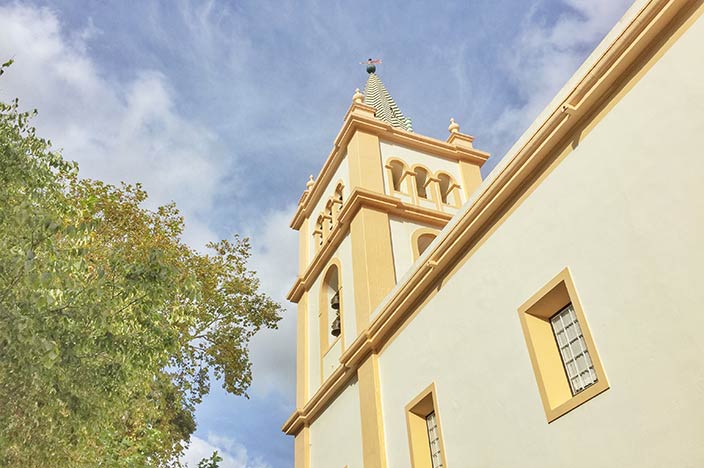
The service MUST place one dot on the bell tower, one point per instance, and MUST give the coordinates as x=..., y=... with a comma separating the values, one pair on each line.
x=380, y=198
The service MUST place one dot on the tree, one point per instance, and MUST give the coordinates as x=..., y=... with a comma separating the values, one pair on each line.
x=110, y=325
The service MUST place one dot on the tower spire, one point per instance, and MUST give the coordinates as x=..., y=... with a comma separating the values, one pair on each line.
x=376, y=95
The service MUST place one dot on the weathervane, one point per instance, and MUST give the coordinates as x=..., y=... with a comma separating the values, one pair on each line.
x=371, y=64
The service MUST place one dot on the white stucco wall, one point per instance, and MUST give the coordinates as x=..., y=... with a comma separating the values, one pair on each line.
x=336, y=436
x=625, y=212
x=401, y=241
x=349, y=324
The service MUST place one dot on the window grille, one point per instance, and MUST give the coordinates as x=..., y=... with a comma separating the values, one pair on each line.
x=434, y=439
x=573, y=350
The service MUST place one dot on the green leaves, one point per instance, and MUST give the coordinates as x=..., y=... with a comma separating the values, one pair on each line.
x=109, y=324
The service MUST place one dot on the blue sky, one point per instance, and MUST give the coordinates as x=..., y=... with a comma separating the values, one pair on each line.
x=226, y=107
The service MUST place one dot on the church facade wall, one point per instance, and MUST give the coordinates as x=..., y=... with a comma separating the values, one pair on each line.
x=402, y=238
x=624, y=211
x=599, y=205
x=335, y=438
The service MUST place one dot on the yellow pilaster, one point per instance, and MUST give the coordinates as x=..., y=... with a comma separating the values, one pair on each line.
x=374, y=277
x=301, y=447
x=302, y=352
x=373, y=446
x=471, y=178
x=372, y=256
x=372, y=262
x=364, y=156
x=303, y=247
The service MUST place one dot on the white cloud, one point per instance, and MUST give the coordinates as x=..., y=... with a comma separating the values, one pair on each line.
x=132, y=131
x=234, y=454
x=117, y=131
x=545, y=54
x=275, y=258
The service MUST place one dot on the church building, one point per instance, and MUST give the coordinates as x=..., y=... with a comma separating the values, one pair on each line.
x=546, y=316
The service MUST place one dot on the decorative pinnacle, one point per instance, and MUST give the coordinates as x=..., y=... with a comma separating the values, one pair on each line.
x=358, y=97
x=371, y=65
x=454, y=126
x=310, y=182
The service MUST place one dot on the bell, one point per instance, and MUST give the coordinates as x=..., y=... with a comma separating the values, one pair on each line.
x=335, y=301
x=336, y=329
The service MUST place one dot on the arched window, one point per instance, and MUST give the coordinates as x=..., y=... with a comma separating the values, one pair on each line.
x=328, y=216
x=421, y=178
x=424, y=240
x=332, y=303
x=446, y=185
x=421, y=240
x=397, y=169
x=335, y=203
x=338, y=193
x=318, y=232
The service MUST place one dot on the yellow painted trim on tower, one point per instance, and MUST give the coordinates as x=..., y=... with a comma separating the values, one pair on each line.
x=301, y=449
x=372, y=261
x=362, y=198
x=359, y=123
x=373, y=276
x=364, y=160
x=373, y=444
x=414, y=240
x=649, y=34
x=471, y=178
x=303, y=248
x=302, y=351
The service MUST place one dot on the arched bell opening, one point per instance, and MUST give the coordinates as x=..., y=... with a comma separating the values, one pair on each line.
x=421, y=181
x=333, y=302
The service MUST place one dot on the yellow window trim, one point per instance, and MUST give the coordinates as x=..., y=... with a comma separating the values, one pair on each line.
x=416, y=236
x=549, y=370
x=416, y=412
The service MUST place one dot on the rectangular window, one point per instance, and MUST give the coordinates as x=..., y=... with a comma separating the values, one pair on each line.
x=573, y=350
x=434, y=439
x=561, y=349
x=424, y=433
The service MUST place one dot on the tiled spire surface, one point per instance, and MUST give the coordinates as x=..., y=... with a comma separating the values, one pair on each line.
x=376, y=95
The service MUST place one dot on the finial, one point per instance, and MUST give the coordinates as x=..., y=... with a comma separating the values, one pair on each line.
x=454, y=126
x=370, y=63
x=358, y=97
x=310, y=182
